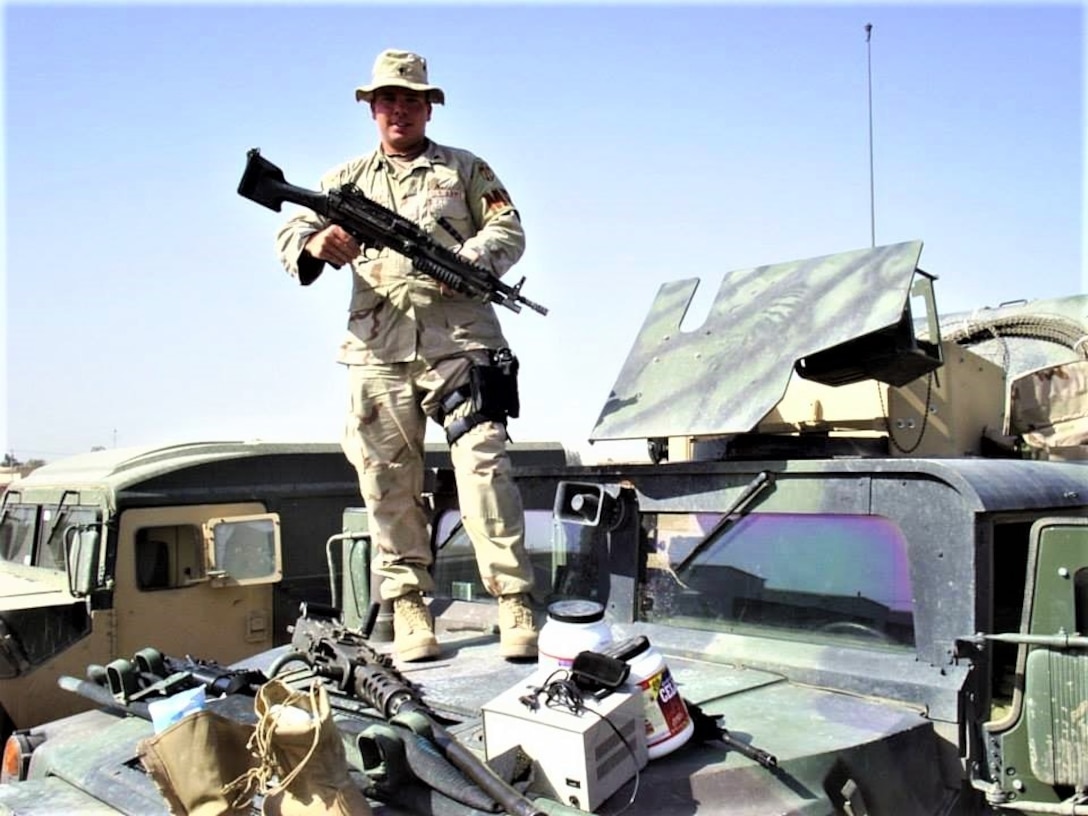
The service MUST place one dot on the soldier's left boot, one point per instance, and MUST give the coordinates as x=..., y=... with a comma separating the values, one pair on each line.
x=517, y=630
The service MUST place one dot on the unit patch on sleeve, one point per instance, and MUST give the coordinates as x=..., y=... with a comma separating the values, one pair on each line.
x=497, y=199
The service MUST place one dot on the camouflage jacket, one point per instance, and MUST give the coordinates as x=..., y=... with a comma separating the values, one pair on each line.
x=396, y=313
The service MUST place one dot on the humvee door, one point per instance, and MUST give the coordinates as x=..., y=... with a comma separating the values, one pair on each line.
x=1039, y=750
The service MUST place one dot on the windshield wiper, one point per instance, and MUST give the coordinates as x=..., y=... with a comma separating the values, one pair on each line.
x=761, y=482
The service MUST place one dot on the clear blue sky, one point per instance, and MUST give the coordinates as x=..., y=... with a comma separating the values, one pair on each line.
x=641, y=143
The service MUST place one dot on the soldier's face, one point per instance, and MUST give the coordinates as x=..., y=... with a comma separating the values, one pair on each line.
x=402, y=117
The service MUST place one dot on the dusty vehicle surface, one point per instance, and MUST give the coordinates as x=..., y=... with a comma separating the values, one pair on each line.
x=862, y=545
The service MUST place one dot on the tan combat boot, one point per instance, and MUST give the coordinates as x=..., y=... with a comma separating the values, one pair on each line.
x=517, y=631
x=413, y=629
x=193, y=761
x=297, y=742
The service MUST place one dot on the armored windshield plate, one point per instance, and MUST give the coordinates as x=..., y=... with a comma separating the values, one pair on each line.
x=726, y=375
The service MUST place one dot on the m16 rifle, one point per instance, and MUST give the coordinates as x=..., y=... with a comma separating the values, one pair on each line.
x=336, y=652
x=378, y=227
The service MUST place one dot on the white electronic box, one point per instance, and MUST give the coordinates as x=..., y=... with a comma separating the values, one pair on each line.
x=579, y=758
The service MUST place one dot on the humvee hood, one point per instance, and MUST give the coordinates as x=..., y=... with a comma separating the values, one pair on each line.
x=821, y=740
x=32, y=587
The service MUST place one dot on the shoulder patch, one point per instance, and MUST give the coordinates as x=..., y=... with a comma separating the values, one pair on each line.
x=485, y=171
x=497, y=199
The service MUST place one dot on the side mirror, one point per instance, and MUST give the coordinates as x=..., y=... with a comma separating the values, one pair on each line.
x=82, y=546
x=579, y=503
x=351, y=581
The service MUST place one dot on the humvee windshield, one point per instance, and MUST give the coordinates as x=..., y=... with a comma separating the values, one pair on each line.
x=565, y=559
x=33, y=535
x=792, y=575
x=843, y=578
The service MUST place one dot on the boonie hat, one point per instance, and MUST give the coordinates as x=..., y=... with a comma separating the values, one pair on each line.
x=401, y=69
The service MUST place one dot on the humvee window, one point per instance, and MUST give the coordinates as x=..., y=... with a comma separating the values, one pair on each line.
x=54, y=524
x=562, y=555
x=455, y=573
x=1011, y=551
x=245, y=549
x=169, y=556
x=840, y=577
x=17, y=533
x=239, y=550
x=22, y=541
x=577, y=570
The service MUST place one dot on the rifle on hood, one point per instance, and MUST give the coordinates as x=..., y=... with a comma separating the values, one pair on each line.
x=341, y=654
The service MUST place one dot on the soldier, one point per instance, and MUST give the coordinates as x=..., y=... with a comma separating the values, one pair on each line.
x=415, y=349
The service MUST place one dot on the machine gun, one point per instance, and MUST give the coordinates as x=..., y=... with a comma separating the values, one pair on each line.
x=341, y=654
x=373, y=225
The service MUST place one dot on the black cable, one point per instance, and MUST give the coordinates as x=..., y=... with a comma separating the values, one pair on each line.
x=560, y=692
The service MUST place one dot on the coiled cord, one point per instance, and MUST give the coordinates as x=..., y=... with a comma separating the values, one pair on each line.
x=562, y=693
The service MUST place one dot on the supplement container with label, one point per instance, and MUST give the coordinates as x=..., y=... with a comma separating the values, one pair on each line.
x=668, y=724
x=572, y=627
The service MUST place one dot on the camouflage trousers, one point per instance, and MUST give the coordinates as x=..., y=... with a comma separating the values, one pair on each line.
x=383, y=438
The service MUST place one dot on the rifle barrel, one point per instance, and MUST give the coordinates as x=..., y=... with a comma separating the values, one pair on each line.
x=767, y=760
x=101, y=696
x=462, y=758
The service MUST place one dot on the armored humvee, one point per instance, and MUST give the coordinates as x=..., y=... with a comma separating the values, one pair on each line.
x=861, y=544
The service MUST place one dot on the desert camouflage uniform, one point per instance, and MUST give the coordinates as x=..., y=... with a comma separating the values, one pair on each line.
x=408, y=344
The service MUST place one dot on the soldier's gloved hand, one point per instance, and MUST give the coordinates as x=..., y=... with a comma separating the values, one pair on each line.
x=474, y=256
x=333, y=245
x=477, y=258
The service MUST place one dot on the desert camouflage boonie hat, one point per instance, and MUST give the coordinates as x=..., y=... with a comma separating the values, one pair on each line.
x=400, y=69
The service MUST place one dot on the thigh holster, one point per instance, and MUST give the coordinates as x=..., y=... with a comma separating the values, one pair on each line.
x=493, y=391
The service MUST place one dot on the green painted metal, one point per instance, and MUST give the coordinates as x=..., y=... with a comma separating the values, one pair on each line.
x=1046, y=742
x=724, y=376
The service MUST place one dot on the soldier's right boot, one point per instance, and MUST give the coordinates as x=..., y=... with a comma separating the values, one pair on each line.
x=413, y=629
x=517, y=630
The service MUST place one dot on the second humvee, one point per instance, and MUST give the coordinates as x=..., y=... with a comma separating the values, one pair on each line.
x=205, y=547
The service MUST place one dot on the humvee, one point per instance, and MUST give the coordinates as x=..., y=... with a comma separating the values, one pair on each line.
x=191, y=543
x=206, y=547
x=861, y=543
